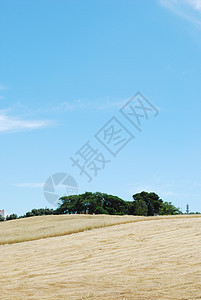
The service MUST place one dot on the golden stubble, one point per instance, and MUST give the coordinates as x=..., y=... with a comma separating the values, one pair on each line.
x=145, y=258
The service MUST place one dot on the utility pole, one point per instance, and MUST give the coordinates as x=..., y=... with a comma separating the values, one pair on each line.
x=187, y=208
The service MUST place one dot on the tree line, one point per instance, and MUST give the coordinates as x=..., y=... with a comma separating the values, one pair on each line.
x=143, y=204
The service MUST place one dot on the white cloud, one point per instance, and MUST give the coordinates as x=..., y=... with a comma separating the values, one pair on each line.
x=12, y=124
x=187, y=9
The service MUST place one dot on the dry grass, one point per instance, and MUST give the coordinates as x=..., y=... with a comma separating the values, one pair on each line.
x=155, y=259
x=34, y=228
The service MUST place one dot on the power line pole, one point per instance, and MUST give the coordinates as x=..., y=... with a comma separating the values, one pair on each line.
x=187, y=208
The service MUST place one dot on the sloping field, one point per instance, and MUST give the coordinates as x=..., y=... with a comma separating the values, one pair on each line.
x=149, y=259
x=34, y=228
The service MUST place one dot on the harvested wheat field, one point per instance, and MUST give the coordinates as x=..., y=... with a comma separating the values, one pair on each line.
x=144, y=258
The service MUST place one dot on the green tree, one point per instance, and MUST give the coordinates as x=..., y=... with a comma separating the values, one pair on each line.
x=29, y=214
x=99, y=210
x=152, y=201
x=167, y=208
x=11, y=217
x=70, y=205
x=140, y=208
x=93, y=203
x=114, y=205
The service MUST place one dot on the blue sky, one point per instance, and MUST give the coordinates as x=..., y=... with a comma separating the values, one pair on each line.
x=68, y=67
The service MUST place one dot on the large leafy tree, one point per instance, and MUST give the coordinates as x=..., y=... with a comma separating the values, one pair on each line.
x=93, y=203
x=152, y=201
x=114, y=205
x=140, y=208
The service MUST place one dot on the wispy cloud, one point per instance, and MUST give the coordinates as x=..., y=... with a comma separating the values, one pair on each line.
x=12, y=124
x=187, y=9
x=35, y=185
x=2, y=87
x=29, y=185
x=196, y=4
x=100, y=104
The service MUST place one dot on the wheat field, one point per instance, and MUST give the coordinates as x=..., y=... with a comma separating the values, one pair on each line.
x=35, y=228
x=139, y=258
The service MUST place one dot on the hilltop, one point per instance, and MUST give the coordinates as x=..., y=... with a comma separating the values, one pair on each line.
x=145, y=258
